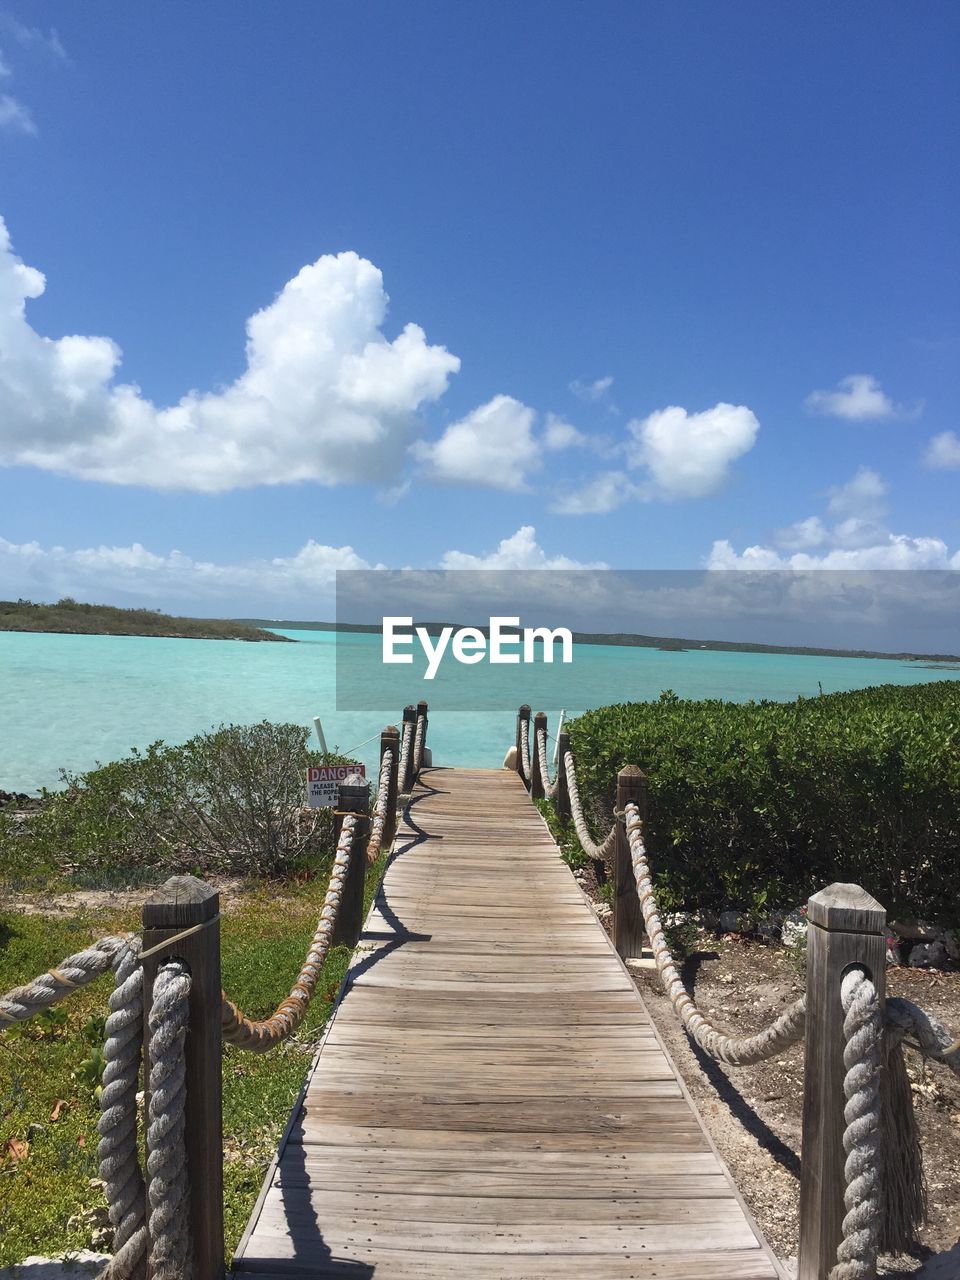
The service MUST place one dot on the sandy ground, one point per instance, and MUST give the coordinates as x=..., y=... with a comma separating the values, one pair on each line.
x=754, y=1113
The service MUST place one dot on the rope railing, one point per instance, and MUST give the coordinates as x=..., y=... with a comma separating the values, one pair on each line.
x=406, y=744
x=525, y=749
x=381, y=810
x=593, y=850
x=149, y=1213
x=780, y=1035
x=856, y=1095
x=259, y=1036
x=549, y=786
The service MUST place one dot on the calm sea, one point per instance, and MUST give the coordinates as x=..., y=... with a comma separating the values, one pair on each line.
x=71, y=701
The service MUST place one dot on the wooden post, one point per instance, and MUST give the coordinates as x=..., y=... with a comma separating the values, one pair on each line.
x=522, y=714
x=390, y=741
x=846, y=928
x=536, y=780
x=354, y=797
x=627, y=916
x=561, y=797
x=409, y=717
x=422, y=711
x=182, y=903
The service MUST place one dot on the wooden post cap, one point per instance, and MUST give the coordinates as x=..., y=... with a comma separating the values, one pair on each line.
x=846, y=908
x=180, y=900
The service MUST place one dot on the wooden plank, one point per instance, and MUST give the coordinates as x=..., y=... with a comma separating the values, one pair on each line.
x=491, y=1099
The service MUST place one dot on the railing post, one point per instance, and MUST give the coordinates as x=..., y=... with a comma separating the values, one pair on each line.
x=354, y=797
x=422, y=713
x=522, y=714
x=390, y=741
x=846, y=928
x=409, y=717
x=627, y=916
x=182, y=903
x=561, y=797
x=536, y=780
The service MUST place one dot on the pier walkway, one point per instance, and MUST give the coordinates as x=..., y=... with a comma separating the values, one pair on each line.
x=491, y=1099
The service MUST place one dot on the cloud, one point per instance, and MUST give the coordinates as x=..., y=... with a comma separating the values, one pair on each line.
x=862, y=496
x=521, y=551
x=689, y=455
x=494, y=446
x=943, y=452
x=897, y=551
x=858, y=398
x=856, y=539
x=592, y=392
x=48, y=42
x=135, y=575
x=15, y=116
x=683, y=455
x=559, y=434
x=604, y=493
x=325, y=395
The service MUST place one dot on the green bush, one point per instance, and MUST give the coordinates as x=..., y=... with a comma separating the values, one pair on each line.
x=760, y=804
x=227, y=801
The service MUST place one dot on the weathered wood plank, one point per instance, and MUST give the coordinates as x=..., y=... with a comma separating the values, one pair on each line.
x=491, y=1099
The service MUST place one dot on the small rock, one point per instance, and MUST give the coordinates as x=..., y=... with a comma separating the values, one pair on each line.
x=928, y=955
x=734, y=922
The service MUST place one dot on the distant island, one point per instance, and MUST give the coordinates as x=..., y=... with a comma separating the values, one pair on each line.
x=670, y=644
x=73, y=618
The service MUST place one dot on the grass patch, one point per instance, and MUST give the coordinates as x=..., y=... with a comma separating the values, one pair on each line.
x=50, y=1200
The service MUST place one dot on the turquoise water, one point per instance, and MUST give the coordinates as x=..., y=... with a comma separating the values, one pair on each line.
x=72, y=701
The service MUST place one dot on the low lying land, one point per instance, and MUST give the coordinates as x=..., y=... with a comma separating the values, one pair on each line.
x=73, y=618
x=631, y=640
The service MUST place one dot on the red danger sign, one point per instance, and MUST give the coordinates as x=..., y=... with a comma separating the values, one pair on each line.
x=323, y=783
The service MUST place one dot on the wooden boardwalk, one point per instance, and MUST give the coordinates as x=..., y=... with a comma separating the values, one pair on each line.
x=491, y=1099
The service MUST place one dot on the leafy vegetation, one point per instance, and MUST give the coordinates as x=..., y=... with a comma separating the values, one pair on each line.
x=71, y=616
x=223, y=802
x=760, y=804
x=49, y=1067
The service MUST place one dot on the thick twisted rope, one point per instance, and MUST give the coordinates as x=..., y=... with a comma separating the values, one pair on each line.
x=418, y=744
x=406, y=743
x=548, y=787
x=863, y=1033
x=525, y=749
x=923, y=1032
x=170, y=1254
x=117, y=1150
x=780, y=1035
x=379, y=818
x=259, y=1036
x=593, y=850
x=76, y=971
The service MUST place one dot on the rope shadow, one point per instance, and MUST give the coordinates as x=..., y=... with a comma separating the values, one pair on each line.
x=399, y=934
x=727, y=1091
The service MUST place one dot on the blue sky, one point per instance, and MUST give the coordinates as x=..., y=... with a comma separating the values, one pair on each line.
x=683, y=280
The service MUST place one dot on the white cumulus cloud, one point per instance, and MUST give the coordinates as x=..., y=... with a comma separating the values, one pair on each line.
x=670, y=455
x=136, y=575
x=520, y=551
x=494, y=446
x=689, y=455
x=943, y=452
x=857, y=398
x=325, y=395
x=856, y=538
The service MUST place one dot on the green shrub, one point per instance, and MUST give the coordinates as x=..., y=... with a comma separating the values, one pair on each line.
x=227, y=801
x=761, y=804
